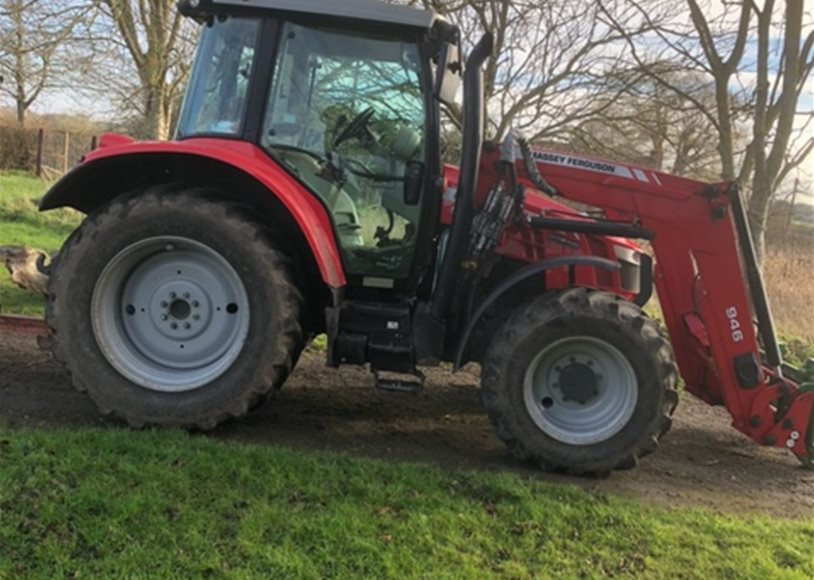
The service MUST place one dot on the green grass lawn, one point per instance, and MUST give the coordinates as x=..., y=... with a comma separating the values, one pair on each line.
x=22, y=225
x=114, y=503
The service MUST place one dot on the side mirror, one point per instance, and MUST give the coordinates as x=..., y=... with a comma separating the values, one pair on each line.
x=413, y=182
x=448, y=72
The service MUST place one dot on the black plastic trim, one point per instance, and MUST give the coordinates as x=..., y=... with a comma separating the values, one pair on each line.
x=592, y=228
x=645, y=281
x=520, y=276
x=747, y=370
x=261, y=79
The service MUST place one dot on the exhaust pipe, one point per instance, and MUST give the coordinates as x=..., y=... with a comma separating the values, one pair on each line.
x=470, y=163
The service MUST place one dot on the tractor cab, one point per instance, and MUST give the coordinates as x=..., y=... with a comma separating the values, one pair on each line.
x=345, y=104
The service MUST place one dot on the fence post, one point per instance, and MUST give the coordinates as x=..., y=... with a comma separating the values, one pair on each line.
x=40, y=146
x=66, y=152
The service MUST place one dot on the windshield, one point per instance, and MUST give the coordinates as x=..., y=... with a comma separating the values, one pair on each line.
x=346, y=114
x=219, y=85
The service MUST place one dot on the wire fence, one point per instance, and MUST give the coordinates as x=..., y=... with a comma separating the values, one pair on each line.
x=47, y=153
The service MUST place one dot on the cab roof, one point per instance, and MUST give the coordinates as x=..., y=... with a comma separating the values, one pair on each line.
x=372, y=11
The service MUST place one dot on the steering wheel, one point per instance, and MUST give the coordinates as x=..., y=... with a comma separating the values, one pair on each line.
x=356, y=128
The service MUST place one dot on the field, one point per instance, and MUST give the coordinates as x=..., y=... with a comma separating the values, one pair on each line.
x=787, y=271
x=337, y=480
x=117, y=504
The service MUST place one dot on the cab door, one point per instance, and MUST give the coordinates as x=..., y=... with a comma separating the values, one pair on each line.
x=347, y=114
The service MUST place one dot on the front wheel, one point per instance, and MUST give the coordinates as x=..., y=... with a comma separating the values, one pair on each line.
x=580, y=381
x=174, y=309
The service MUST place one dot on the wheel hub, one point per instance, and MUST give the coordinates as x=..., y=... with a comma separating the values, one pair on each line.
x=180, y=309
x=579, y=383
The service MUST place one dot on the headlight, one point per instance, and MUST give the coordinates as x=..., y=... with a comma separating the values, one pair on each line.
x=630, y=260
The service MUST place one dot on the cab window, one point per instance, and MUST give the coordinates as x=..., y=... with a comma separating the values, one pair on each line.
x=346, y=115
x=219, y=86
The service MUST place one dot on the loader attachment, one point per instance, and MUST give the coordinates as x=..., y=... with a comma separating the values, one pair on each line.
x=709, y=286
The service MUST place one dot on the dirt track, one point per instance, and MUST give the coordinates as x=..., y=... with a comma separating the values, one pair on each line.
x=702, y=462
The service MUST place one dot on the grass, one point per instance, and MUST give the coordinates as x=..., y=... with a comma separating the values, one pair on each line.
x=22, y=225
x=110, y=503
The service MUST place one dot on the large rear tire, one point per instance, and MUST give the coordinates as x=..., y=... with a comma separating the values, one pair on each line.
x=174, y=309
x=580, y=381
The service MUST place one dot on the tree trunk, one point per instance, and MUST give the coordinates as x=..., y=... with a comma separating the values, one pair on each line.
x=768, y=164
x=19, y=63
x=158, y=123
x=21, y=113
x=758, y=217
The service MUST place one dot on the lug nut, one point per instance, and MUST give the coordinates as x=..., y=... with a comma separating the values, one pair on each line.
x=195, y=304
x=187, y=326
x=173, y=295
x=174, y=326
x=186, y=295
x=196, y=317
x=164, y=304
x=164, y=317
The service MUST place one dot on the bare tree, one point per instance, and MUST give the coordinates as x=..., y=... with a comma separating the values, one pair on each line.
x=555, y=63
x=156, y=40
x=652, y=126
x=36, y=37
x=714, y=42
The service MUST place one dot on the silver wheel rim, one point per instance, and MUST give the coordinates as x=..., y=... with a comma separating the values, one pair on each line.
x=580, y=390
x=170, y=314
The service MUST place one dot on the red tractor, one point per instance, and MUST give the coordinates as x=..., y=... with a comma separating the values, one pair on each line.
x=305, y=193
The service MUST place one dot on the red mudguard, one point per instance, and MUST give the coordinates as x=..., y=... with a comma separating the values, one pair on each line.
x=305, y=208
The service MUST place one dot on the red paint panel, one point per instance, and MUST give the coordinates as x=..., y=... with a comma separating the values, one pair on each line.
x=307, y=211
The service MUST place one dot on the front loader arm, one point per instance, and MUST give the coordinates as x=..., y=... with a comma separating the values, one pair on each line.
x=709, y=288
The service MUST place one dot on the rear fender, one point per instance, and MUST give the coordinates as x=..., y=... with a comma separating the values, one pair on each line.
x=239, y=170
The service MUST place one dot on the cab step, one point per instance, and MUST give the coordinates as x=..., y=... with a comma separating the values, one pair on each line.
x=399, y=382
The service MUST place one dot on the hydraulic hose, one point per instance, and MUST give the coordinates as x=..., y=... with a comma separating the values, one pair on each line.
x=531, y=167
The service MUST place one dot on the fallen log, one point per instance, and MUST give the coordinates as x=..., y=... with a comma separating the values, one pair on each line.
x=28, y=267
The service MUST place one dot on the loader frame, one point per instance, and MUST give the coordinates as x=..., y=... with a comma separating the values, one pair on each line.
x=709, y=285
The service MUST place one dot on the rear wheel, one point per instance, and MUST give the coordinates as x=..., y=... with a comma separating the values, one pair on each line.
x=581, y=382
x=174, y=310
